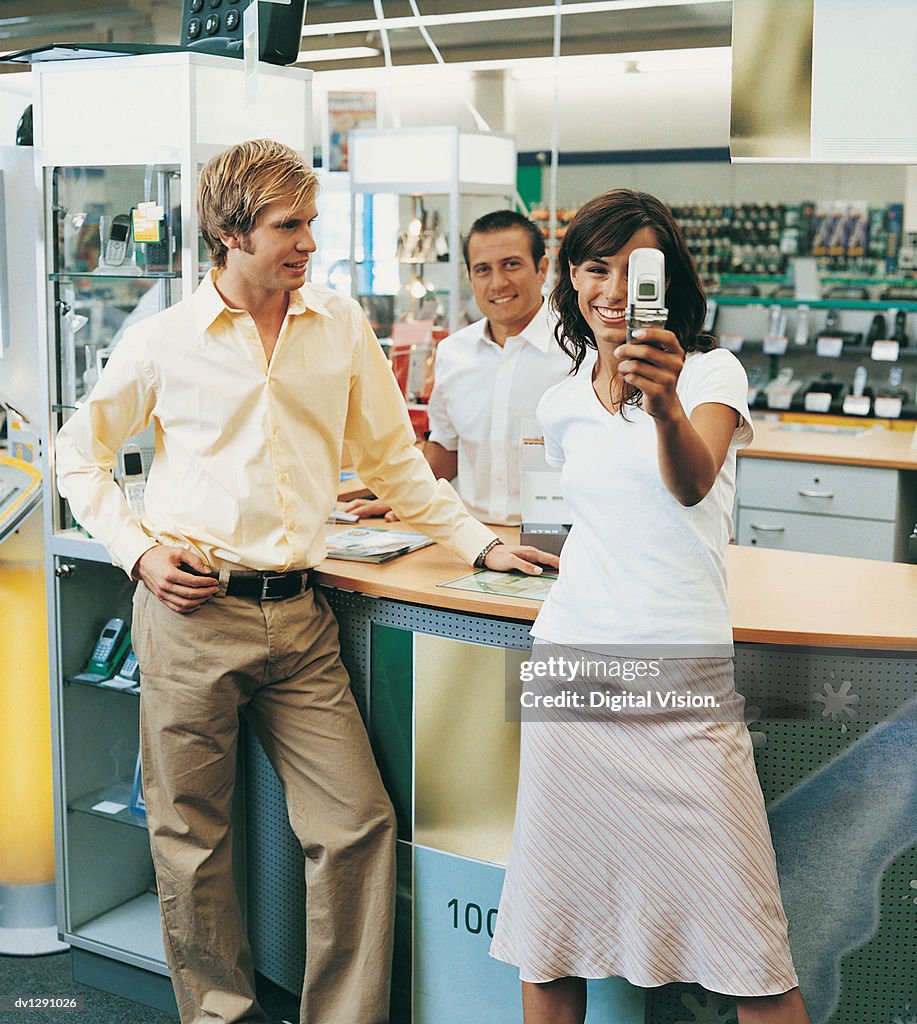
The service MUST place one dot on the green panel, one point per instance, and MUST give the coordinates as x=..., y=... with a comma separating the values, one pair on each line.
x=528, y=184
x=390, y=715
x=402, y=982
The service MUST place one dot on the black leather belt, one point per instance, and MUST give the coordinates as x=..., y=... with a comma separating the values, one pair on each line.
x=267, y=586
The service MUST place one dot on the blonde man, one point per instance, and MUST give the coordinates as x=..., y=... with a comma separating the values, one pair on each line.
x=253, y=384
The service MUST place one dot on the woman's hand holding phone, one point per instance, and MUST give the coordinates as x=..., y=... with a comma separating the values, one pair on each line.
x=652, y=362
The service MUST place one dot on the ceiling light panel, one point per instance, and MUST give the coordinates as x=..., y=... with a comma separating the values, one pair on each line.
x=570, y=9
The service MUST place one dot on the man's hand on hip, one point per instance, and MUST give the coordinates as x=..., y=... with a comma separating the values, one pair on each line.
x=504, y=557
x=160, y=569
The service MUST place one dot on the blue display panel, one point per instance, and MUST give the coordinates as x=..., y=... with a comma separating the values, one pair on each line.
x=455, y=980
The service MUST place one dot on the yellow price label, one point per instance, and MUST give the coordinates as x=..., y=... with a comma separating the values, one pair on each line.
x=146, y=222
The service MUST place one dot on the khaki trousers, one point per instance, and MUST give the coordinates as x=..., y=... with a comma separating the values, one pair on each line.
x=278, y=664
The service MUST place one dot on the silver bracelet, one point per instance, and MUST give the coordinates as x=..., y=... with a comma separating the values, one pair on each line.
x=479, y=561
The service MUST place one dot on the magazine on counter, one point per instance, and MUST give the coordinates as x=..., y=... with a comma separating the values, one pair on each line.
x=369, y=544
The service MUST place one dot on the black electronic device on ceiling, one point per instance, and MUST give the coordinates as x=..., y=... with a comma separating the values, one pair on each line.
x=215, y=26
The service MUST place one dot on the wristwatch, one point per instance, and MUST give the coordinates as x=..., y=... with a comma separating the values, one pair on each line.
x=479, y=561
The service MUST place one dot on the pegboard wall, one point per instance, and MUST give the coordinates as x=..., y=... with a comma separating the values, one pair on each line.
x=835, y=736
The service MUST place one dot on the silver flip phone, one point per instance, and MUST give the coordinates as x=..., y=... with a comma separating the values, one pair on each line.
x=645, y=292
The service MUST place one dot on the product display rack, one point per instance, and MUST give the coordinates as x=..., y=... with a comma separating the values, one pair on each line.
x=438, y=180
x=744, y=323
x=112, y=133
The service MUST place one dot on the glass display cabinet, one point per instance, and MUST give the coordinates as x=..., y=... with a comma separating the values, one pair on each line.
x=119, y=142
x=414, y=192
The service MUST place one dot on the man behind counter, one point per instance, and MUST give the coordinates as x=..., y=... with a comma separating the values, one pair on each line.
x=253, y=384
x=491, y=374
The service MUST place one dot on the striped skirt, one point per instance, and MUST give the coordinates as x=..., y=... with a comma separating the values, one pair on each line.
x=641, y=850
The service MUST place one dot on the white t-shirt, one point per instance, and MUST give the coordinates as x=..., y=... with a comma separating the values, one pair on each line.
x=638, y=567
x=482, y=395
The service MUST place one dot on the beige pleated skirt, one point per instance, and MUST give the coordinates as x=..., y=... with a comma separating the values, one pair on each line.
x=641, y=850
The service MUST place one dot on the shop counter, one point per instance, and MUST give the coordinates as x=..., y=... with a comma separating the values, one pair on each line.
x=828, y=489
x=825, y=645
x=850, y=445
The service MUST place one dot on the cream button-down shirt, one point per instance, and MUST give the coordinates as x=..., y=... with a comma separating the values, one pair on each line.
x=482, y=396
x=248, y=454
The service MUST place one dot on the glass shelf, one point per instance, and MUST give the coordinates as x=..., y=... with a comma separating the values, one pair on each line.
x=132, y=691
x=850, y=282
x=119, y=794
x=94, y=275
x=877, y=305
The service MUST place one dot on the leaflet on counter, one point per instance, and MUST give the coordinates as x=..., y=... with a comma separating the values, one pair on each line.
x=368, y=544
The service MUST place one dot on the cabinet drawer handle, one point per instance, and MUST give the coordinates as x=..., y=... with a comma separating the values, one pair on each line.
x=817, y=494
x=767, y=529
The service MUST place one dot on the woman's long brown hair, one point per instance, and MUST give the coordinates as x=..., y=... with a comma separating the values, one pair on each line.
x=600, y=228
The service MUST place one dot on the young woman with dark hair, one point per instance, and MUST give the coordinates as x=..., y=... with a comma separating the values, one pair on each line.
x=641, y=847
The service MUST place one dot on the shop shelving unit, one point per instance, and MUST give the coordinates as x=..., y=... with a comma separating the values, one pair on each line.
x=110, y=133
x=454, y=177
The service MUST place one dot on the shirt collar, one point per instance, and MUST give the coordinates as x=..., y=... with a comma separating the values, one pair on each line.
x=539, y=331
x=208, y=304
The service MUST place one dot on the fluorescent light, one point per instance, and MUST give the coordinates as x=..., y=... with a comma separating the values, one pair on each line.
x=502, y=14
x=337, y=53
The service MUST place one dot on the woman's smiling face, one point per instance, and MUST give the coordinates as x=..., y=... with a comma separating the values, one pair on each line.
x=601, y=287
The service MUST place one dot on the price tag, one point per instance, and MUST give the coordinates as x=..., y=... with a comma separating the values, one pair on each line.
x=775, y=345
x=109, y=807
x=731, y=342
x=146, y=220
x=818, y=401
x=830, y=347
x=856, y=405
x=885, y=351
x=887, y=408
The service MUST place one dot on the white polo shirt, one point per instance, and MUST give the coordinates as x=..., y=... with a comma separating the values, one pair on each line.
x=481, y=398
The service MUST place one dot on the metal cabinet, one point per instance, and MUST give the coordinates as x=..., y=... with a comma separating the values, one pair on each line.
x=858, y=511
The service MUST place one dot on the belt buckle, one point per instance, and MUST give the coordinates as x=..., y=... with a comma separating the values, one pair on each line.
x=266, y=582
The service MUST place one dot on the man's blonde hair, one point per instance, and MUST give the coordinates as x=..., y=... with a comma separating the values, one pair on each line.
x=238, y=184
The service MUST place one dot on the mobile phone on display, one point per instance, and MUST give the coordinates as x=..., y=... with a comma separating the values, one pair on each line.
x=116, y=243
x=645, y=292
x=130, y=669
x=109, y=649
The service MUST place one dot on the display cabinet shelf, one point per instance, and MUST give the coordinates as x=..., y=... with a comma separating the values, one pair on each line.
x=875, y=305
x=131, y=930
x=131, y=691
x=146, y=275
x=114, y=795
x=829, y=279
x=74, y=543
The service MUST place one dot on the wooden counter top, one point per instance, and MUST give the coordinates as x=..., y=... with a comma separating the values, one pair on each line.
x=777, y=597
x=888, y=449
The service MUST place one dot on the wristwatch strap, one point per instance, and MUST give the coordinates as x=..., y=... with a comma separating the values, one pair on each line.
x=479, y=561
